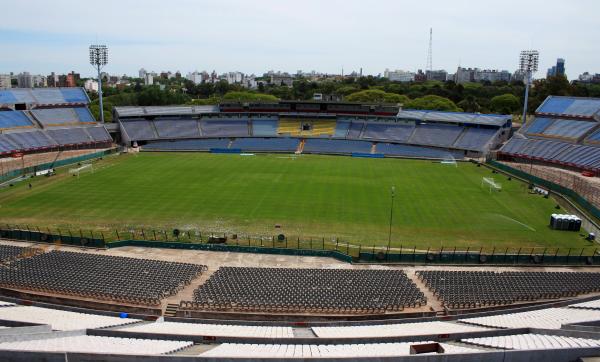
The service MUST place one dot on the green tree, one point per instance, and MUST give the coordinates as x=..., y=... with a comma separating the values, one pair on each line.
x=376, y=96
x=505, y=104
x=469, y=104
x=433, y=102
x=249, y=96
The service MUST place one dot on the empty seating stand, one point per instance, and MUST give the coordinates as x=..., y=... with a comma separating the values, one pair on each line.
x=139, y=130
x=399, y=132
x=14, y=119
x=211, y=127
x=266, y=144
x=474, y=289
x=188, y=145
x=176, y=128
x=476, y=139
x=335, y=146
x=441, y=135
x=120, y=279
x=306, y=290
x=53, y=117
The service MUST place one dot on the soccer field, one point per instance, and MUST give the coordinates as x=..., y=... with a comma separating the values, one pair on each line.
x=308, y=196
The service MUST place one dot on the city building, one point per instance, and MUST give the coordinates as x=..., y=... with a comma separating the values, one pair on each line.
x=492, y=75
x=234, y=77
x=465, y=75
x=280, y=78
x=142, y=73
x=72, y=79
x=195, y=77
x=25, y=80
x=148, y=79
x=558, y=69
x=91, y=85
x=39, y=81
x=52, y=80
x=439, y=75
x=5, y=81
x=584, y=78
x=399, y=75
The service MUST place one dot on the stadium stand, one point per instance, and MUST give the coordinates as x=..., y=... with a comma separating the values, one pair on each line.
x=382, y=131
x=266, y=144
x=531, y=341
x=538, y=125
x=264, y=127
x=61, y=320
x=217, y=330
x=393, y=149
x=97, y=344
x=307, y=351
x=98, y=134
x=14, y=119
x=289, y=127
x=30, y=140
x=594, y=138
x=550, y=318
x=568, y=129
x=476, y=139
x=127, y=280
x=441, y=135
x=10, y=252
x=307, y=290
x=138, y=130
x=69, y=136
x=355, y=130
x=57, y=117
x=188, y=145
x=173, y=128
x=341, y=128
x=570, y=107
x=224, y=127
x=472, y=289
x=394, y=330
x=336, y=146
x=43, y=96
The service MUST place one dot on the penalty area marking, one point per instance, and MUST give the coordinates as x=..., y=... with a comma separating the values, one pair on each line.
x=515, y=221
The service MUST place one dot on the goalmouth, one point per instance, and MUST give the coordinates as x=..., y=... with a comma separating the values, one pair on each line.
x=491, y=183
x=449, y=160
x=83, y=168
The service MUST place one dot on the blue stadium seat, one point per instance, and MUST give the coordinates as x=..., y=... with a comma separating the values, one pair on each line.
x=174, y=128
x=13, y=119
x=443, y=135
x=266, y=144
x=476, y=139
x=264, y=127
x=224, y=127
x=538, y=125
x=393, y=149
x=188, y=145
x=139, y=130
x=569, y=128
x=336, y=146
x=388, y=131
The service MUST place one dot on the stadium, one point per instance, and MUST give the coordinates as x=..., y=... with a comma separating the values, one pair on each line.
x=297, y=230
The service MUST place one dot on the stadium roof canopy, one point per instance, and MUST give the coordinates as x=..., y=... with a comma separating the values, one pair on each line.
x=454, y=117
x=43, y=96
x=164, y=111
x=575, y=107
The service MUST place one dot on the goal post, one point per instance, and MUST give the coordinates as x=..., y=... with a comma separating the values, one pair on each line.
x=449, y=160
x=491, y=184
x=83, y=168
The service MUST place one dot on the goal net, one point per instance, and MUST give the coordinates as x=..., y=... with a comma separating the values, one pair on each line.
x=449, y=160
x=83, y=168
x=491, y=184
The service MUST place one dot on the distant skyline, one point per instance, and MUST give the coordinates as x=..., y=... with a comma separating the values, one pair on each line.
x=326, y=36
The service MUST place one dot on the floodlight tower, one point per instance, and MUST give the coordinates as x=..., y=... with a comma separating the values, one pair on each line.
x=528, y=64
x=98, y=59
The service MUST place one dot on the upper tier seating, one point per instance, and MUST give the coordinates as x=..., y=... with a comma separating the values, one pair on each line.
x=140, y=130
x=30, y=140
x=173, y=128
x=550, y=318
x=594, y=138
x=61, y=320
x=14, y=119
x=475, y=138
x=341, y=128
x=289, y=127
x=98, y=134
x=355, y=130
x=388, y=131
x=336, y=146
x=394, y=330
x=393, y=149
x=469, y=289
x=307, y=290
x=224, y=128
x=443, y=135
x=538, y=125
x=53, y=117
x=69, y=136
x=570, y=106
x=52, y=96
x=532, y=341
x=216, y=330
x=97, y=344
x=568, y=129
x=264, y=127
x=307, y=351
x=6, y=145
x=11, y=252
x=188, y=145
x=128, y=280
x=266, y=144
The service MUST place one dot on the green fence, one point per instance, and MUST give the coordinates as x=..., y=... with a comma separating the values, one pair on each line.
x=68, y=237
x=231, y=248
x=593, y=210
x=68, y=161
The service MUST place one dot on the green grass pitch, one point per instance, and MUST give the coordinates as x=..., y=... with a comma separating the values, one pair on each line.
x=309, y=196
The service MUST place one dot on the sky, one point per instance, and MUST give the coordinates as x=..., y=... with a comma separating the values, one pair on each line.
x=254, y=36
